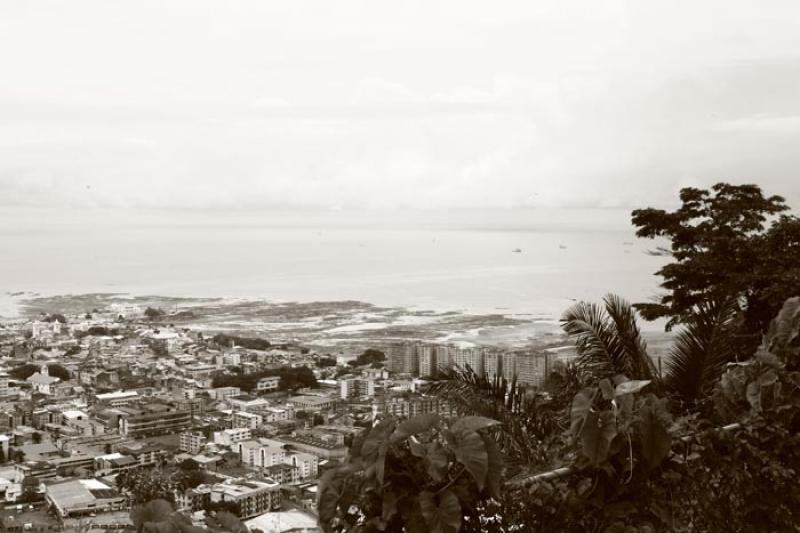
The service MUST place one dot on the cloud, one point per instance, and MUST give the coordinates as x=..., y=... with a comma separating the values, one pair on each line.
x=451, y=104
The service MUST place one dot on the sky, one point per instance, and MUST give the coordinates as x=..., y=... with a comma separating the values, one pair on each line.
x=376, y=104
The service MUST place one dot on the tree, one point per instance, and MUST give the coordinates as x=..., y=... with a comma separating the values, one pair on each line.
x=722, y=247
x=145, y=485
x=323, y=362
x=56, y=317
x=153, y=313
x=27, y=370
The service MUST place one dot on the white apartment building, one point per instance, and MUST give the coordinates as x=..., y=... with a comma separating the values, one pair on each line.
x=243, y=419
x=231, y=437
x=223, y=393
x=260, y=453
x=307, y=464
x=192, y=442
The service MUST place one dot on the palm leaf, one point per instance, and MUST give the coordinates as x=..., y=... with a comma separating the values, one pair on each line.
x=527, y=421
x=628, y=339
x=700, y=352
x=608, y=339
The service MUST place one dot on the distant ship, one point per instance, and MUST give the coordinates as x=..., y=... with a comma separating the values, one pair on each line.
x=562, y=246
x=517, y=250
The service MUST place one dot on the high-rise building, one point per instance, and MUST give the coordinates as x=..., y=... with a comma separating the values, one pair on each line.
x=509, y=365
x=427, y=360
x=532, y=368
x=492, y=364
x=444, y=357
x=469, y=358
x=403, y=358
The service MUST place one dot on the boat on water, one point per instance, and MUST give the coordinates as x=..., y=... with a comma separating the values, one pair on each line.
x=562, y=246
x=517, y=250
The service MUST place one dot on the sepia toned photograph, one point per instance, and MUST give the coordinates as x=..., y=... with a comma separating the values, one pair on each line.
x=360, y=266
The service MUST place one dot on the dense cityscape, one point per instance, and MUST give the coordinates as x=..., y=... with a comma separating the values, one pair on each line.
x=92, y=400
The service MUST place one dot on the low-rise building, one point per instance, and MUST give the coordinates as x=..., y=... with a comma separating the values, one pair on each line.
x=268, y=383
x=232, y=436
x=252, y=497
x=154, y=418
x=242, y=419
x=117, y=399
x=192, y=442
x=82, y=497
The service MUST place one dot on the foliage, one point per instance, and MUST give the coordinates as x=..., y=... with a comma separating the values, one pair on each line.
x=98, y=331
x=700, y=352
x=531, y=422
x=226, y=341
x=608, y=339
x=55, y=317
x=323, y=362
x=721, y=246
x=628, y=473
x=153, y=314
x=419, y=475
x=370, y=356
x=158, y=346
x=291, y=378
x=146, y=485
x=27, y=370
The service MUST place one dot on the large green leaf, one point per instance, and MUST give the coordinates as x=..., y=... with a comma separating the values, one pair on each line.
x=437, y=461
x=598, y=431
x=631, y=387
x=495, y=472
x=375, y=446
x=469, y=424
x=581, y=405
x=471, y=452
x=377, y=436
x=653, y=431
x=444, y=517
x=415, y=426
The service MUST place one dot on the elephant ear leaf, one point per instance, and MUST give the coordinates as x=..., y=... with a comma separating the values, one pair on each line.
x=581, y=406
x=471, y=452
x=653, y=432
x=495, y=472
x=469, y=424
x=598, y=431
x=444, y=517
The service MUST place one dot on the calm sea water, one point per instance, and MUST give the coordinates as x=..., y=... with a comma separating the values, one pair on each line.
x=442, y=260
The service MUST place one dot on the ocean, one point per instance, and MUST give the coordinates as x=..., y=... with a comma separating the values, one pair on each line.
x=517, y=262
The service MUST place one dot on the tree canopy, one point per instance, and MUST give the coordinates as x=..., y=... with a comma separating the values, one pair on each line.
x=27, y=370
x=731, y=241
x=290, y=378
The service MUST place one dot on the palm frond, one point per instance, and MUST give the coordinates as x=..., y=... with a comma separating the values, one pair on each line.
x=628, y=339
x=588, y=326
x=608, y=339
x=527, y=421
x=700, y=352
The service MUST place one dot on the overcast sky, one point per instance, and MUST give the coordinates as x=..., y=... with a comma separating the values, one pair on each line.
x=195, y=103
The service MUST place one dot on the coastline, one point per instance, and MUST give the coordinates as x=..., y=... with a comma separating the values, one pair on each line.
x=334, y=325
